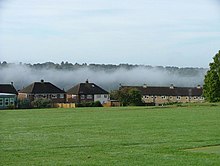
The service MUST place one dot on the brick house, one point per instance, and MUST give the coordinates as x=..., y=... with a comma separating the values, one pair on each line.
x=87, y=92
x=8, y=96
x=43, y=89
x=159, y=95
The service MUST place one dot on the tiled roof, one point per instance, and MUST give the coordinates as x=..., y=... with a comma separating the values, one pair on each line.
x=7, y=88
x=87, y=89
x=41, y=88
x=167, y=91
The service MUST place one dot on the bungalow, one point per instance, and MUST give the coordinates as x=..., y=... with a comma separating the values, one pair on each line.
x=153, y=95
x=8, y=96
x=43, y=89
x=87, y=92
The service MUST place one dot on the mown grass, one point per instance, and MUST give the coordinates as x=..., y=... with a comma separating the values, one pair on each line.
x=110, y=136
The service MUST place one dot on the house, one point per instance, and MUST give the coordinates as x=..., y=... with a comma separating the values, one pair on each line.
x=153, y=95
x=87, y=92
x=8, y=96
x=43, y=89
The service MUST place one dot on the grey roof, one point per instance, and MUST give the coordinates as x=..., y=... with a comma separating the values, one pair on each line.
x=41, y=88
x=86, y=89
x=8, y=88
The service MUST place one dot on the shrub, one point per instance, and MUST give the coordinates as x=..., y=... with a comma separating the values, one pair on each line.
x=89, y=104
x=41, y=103
x=24, y=103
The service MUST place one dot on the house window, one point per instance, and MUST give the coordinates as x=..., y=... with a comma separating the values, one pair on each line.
x=105, y=96
x=146, y=97
x=89, y=96
x=6, y=101
x=44, y=96
x=61, y=96
x=171, y=97
x=98, y=96
x=12, y=101
x=178, y=97
x=54, y=96
x=201, y=98
x=82, y=97
x=152, y=97
x=73, y=96
x=163, y=97
x=1, y=101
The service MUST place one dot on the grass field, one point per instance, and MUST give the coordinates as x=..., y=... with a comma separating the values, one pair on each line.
x=110, y=136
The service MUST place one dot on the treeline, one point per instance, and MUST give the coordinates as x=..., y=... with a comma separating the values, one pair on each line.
x=189, y=71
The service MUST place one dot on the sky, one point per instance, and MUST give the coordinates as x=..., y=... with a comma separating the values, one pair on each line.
x=182, y=33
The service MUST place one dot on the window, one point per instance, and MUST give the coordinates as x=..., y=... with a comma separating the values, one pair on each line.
x=54, y=96
x=89, y=96
x=73, y=96
x=82, y=97
x=6, y=101
x=61, y=96
x=98, y=96
x=105, y=96
x=146, y=97
x=195, y=98
x=12, y=101
x=201, y=98
x=163, y=97
x=178, y=97
x=1, y=101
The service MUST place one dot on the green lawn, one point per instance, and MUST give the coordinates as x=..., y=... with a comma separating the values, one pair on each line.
x=110, y=136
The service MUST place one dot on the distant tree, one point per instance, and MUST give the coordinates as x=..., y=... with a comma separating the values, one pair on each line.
x=135, y=97
x=127, y=96
x=211, y=88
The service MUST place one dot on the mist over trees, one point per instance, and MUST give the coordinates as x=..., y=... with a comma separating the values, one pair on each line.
x=109, y=76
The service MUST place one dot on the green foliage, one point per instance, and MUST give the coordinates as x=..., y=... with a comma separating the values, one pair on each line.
x=41, y=103
x=211, y=88
x=128, y=96
x=109, y=136
x=89, y=104
x=24, y=103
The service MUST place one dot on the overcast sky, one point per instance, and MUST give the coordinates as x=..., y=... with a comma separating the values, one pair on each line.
x=183, y=33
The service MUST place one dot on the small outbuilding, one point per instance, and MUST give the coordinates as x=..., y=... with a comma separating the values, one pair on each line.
x=8, y=96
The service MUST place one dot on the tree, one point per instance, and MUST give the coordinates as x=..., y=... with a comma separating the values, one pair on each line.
x=211, y=88
x=127, y=96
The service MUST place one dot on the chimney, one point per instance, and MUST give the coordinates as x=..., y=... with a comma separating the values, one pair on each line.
x=171, y=86
x=87, y=81
x=198, y=87
x=42, y=81
x=12, y=83
x=145, y=86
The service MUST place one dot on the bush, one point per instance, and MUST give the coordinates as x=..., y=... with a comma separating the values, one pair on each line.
x=24, y=103
x=89, y=104
x=41, y=103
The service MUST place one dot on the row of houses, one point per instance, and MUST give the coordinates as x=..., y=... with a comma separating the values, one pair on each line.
x=90, y=92
x=81, y=93
x=153, y=95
